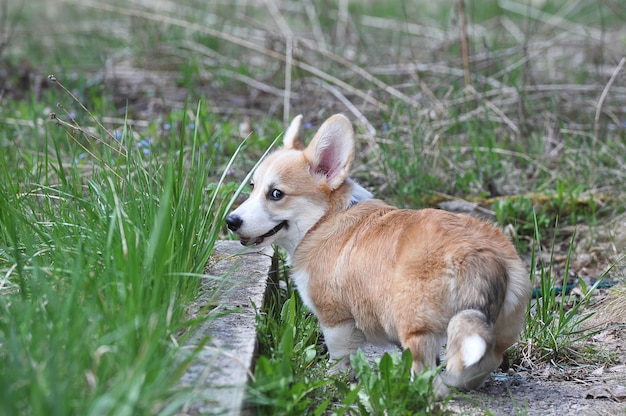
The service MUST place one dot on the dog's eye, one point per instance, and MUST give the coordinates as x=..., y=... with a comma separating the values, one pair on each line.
x=276, y=194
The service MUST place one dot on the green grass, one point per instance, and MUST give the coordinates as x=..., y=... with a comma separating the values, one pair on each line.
x=102, y=243
x=556, y=319
x=101, y=247
x=285, y=379
x=386, y=389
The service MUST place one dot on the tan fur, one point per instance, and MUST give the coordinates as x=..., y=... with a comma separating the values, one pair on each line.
x=372, y=271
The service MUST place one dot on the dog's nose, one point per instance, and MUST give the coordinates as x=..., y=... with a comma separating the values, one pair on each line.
x=234, y=222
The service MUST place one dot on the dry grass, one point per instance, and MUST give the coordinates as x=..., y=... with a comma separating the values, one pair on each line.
x=316, y=59
x=546, y=82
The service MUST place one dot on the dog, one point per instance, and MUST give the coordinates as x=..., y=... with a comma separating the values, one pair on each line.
x=373, y=272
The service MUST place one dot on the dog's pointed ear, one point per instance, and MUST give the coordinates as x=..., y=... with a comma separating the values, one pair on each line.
x=331, y=150
x=292, y=138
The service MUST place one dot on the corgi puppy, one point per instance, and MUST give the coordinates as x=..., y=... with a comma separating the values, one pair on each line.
x=374, y=272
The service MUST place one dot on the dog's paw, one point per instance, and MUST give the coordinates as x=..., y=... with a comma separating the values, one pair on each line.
x=340, y=366
x=440, y=389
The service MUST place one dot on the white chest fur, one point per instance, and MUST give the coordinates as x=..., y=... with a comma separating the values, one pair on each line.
x=301, y=279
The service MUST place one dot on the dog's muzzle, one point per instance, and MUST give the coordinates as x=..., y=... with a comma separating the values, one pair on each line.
x=234, y=222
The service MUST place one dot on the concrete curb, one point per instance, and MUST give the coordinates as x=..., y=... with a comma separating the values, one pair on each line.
x=221, y=370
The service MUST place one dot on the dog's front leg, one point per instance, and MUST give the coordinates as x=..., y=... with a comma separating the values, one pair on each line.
x=342, y=341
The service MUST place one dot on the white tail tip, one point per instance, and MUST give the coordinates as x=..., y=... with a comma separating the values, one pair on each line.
x=473, y=349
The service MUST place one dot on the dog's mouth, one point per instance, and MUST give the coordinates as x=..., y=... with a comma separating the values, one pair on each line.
x=249, y=241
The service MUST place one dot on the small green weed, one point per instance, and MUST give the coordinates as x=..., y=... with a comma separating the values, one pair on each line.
x=286, y=380
x=520, y=212
x=291, y=374
x=387, y=388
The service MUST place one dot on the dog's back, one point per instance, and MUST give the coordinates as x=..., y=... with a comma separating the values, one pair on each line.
x=415, y=277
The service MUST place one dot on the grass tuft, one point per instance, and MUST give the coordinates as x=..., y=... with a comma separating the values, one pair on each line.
x=99, y=256
x=555, y=323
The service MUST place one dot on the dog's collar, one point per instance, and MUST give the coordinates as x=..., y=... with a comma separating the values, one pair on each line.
x=353, y=202
x=358, y=194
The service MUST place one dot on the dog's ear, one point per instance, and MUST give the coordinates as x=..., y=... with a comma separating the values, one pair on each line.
x=292, y=138
x=331, y=150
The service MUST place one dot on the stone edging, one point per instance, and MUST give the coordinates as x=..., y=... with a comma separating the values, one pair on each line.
x=221, y=370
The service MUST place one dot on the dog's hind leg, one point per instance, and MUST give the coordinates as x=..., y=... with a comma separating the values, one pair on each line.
x=424, y=348
x=342, y=341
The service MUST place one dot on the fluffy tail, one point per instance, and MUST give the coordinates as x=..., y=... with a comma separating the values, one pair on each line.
x=470, y=350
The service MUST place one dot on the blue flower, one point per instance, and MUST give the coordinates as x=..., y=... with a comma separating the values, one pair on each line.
x=191, y=126
x=72, y=116
x=144, y=145
x=80, y=156
x=117, y=135
x=145, y=142
x=167, y=126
